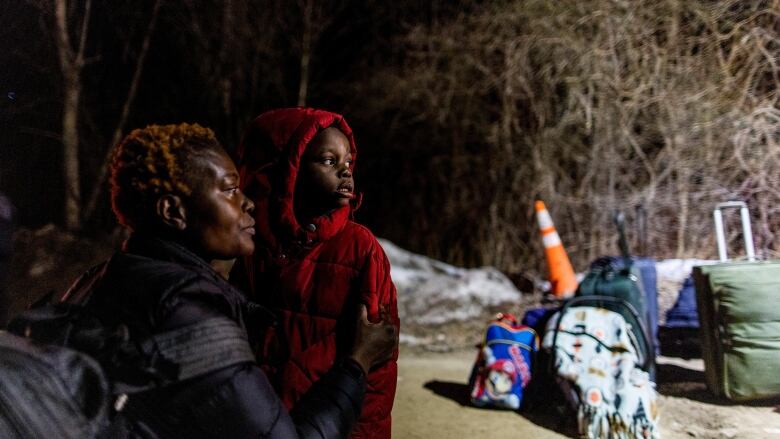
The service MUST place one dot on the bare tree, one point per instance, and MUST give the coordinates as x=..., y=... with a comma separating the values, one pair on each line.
x=71, y=23
x=592, y=106
x=100, y=179
x=244, y=52
x=304, y=23
x=305, y=57
x=71, y=64
x=316, y=16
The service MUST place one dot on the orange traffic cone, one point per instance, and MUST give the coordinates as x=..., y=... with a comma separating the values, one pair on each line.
x=562, y=279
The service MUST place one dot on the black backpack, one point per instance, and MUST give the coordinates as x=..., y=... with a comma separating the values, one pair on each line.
x=54, y=357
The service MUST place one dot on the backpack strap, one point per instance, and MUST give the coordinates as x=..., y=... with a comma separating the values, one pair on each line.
x=183, y=353
x=201, y=348
x=81, y=290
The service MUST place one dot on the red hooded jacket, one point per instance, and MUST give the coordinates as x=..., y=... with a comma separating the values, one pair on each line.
x=313, y=274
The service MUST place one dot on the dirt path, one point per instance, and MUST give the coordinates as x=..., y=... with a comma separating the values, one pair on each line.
x=432, y=402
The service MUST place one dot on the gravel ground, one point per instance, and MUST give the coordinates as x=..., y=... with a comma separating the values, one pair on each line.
x=432, y=402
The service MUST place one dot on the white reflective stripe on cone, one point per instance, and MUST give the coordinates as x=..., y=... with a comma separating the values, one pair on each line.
x=544, y=219
x=551, y=240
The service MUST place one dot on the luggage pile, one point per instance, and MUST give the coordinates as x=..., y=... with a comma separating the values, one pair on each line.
x=598, y=350
x=599, y=347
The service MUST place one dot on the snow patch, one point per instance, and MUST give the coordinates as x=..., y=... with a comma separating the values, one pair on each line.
x=433, y=292
x=410, y=340
x=676, y=270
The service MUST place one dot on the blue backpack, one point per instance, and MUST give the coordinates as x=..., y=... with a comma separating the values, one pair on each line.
x=502, y=369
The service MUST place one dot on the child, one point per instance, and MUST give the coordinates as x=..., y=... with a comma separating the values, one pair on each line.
x=178, y=192
x=313, y=264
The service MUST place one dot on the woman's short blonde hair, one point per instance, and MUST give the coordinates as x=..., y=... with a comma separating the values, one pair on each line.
x=153, y=161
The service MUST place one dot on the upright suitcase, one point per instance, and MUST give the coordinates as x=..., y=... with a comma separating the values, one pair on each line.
x=739, y=319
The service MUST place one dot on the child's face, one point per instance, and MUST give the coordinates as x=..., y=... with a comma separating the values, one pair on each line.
x=325, y=181
x=218, y=213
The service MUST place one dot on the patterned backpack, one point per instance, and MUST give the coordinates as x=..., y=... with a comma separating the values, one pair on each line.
x=600, y=370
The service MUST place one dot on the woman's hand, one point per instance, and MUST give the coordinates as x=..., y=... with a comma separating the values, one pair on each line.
x=374, y=342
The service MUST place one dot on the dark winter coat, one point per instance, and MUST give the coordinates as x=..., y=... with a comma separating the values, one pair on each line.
x=314, y=274
x=154, y=286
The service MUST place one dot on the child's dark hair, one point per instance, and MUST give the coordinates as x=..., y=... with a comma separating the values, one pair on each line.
x=153, y=161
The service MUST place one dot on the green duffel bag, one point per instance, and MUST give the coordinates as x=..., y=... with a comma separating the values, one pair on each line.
x=740, y=328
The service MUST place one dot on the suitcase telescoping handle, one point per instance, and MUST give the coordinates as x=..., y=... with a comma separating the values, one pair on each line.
x=747, y=233
x=620, y=222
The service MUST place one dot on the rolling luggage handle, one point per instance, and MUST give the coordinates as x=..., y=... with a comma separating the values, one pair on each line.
x=620, y=222
x=746, y=230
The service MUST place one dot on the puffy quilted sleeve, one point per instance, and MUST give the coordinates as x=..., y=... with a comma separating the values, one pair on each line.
x=376, y=288
x=238, y=401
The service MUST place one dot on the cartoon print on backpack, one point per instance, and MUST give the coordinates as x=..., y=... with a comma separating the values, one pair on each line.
x=501, y=375
x=496, y=382
x=503, y=366
x=501, y=378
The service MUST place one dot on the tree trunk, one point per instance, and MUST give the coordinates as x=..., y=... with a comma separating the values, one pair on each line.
x=71, y=64
x=100, y=180
x=70, y=152
x=303, y=85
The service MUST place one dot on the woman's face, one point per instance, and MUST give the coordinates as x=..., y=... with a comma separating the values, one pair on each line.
x=218, y=219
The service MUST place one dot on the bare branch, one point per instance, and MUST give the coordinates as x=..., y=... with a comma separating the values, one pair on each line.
x=120, y=126
x=83, y=35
